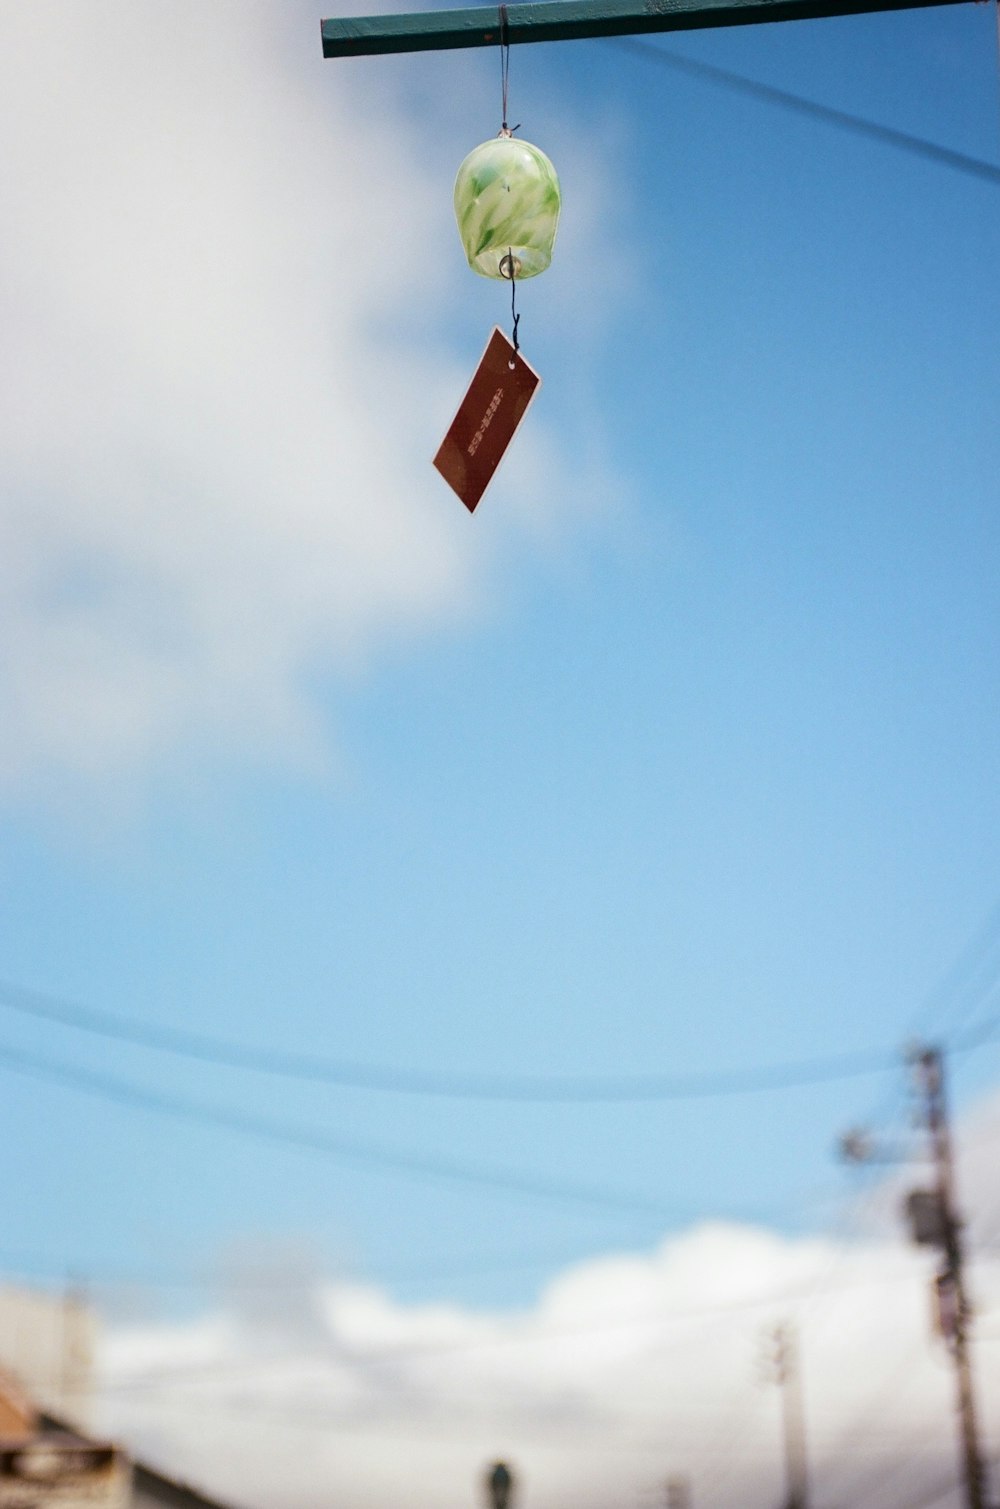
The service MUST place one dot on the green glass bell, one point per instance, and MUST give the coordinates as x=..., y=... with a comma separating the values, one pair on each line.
x=507, y=207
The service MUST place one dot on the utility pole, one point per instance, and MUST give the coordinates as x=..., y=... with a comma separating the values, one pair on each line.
x=783, y=1359
x=935, y=1222
x=74, y=1362
x=678, y=1493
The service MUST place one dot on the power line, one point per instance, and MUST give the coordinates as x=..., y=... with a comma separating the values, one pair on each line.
x=955, y=995
x=369, y=1154
x=541, y=1089
x=536, y=1335
x=314, y=1413
x=22, y=1265
x=449, y=1424
x=933, y=1496
x=973, y=976
x=737, y=83
x=859, y=1426
x=961, y=988
x=730, y=1441
x=27, y=1266
x=870, y=1488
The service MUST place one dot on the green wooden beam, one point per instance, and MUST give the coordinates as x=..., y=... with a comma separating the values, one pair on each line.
x=563, y=20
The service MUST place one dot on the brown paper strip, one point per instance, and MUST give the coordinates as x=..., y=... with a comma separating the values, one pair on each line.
x=487, y=418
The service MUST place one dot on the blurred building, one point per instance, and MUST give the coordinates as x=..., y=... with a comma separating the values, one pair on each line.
x=145, y=1487
x=47, y=1346
x=48, y=1458
x=44, y=1465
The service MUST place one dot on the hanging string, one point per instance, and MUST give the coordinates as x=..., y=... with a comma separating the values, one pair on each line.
x=508, y=266
x=504, y=69
x=505, y=130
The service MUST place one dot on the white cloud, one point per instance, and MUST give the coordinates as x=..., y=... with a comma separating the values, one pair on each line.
x=628, y=1369
x=220, y=383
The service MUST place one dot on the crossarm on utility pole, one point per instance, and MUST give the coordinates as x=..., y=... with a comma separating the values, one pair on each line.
x=565, y=20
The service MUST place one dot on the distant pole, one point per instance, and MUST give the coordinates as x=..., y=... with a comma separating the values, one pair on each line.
x=946, y=1232
x=70, y=1390
x=787, y=1375
x=679, y=1493
x=500, y=1485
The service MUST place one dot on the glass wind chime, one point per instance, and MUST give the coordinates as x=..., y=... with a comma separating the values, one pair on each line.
x=507, y=204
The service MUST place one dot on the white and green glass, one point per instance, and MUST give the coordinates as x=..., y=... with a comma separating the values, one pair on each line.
x=507, y=207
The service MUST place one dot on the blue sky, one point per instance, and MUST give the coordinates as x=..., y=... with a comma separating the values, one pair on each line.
x=679, y=756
